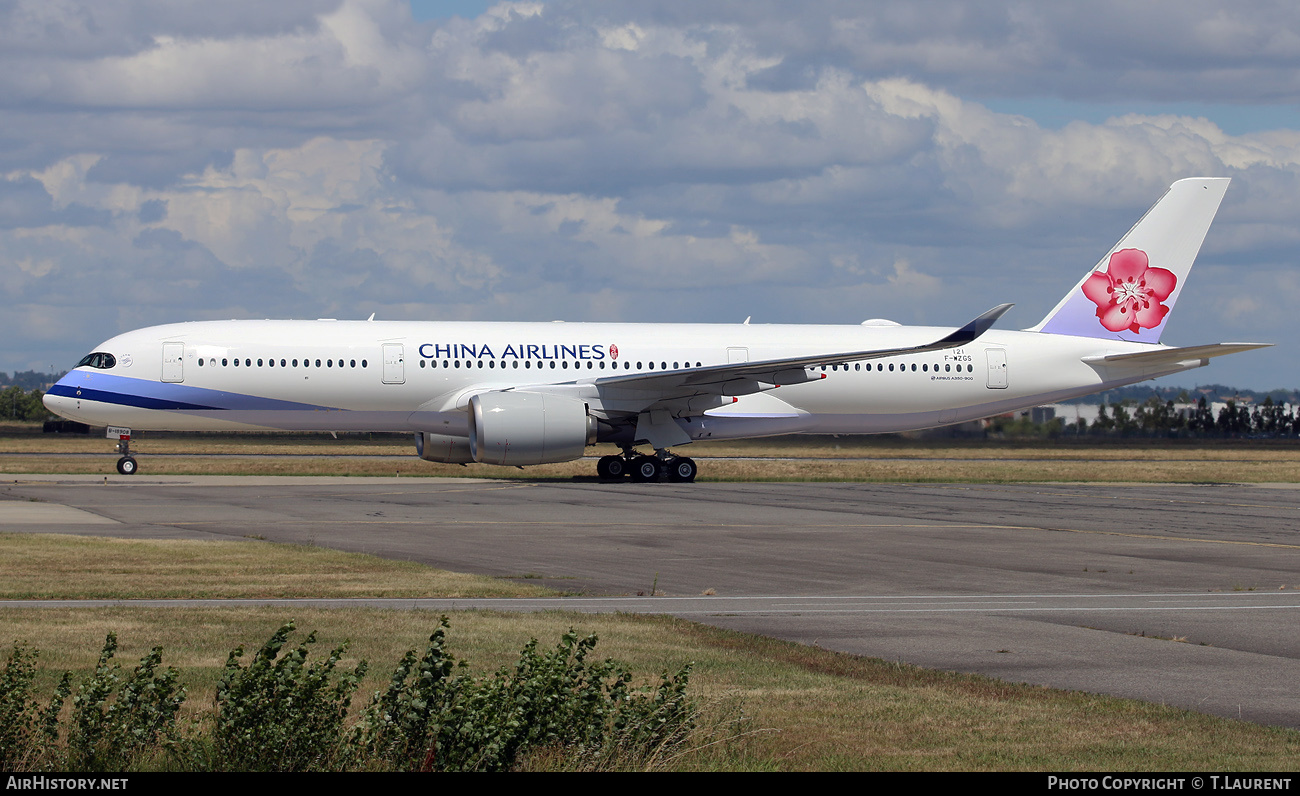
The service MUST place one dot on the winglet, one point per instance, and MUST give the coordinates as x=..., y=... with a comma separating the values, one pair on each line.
x=975, y=328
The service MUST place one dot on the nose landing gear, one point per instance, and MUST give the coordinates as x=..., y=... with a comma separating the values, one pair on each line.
x=644, y=468
x=127, y=464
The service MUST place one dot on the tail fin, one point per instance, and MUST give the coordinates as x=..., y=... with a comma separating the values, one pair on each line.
x=1129, y=294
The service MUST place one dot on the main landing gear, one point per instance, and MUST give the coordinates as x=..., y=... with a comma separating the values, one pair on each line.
x=644, y=469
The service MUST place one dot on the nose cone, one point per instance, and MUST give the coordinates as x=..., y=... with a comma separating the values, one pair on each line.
x=61, y=399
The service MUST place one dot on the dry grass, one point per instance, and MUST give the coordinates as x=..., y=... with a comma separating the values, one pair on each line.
x=53, y=566
x=878, y=459
x=913, y=468
x=811, y=709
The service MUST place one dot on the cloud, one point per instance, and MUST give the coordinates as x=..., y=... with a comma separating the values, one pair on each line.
x=618, y=161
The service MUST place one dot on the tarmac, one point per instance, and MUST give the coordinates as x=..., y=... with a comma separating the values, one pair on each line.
x=1186, y=595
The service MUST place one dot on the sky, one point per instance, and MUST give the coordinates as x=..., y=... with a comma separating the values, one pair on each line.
x=609, y=160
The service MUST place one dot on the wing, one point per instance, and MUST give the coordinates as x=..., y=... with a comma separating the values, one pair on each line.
x=640, y=392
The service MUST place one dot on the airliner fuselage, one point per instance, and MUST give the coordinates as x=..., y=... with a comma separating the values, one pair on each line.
x=530, y=393
x=410, y=376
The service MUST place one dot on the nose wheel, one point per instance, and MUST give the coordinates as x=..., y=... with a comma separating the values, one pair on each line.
x=127, y=464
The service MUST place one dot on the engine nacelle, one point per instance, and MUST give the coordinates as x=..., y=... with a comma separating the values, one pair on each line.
x=518, y=428
x=443, y=448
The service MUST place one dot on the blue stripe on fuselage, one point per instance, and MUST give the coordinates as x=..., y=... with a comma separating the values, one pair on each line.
x=146, y=394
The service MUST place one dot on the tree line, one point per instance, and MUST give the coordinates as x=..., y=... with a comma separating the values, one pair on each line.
x=1155, y=417
x=19, y=404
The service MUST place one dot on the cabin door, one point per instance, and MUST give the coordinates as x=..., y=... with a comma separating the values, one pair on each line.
x=997, y=358
x=173, y=365
x=394, y=368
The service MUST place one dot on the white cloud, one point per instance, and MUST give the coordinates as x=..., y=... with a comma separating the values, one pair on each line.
x=607, y=160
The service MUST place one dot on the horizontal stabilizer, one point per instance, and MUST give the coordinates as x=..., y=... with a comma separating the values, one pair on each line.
x=1172, y=356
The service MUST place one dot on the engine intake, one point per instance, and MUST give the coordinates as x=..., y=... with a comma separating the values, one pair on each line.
x=518, y=428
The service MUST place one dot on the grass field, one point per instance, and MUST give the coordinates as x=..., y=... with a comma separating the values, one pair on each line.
x=879, y=459
x=805, y=708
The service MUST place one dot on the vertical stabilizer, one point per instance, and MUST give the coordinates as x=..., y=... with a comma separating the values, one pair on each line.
x=1130, y=293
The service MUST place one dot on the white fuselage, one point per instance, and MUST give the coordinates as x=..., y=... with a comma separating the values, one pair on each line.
x=415, y=376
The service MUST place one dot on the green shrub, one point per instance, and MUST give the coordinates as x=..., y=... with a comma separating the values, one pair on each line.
x=282, y=714
x=27, y=733
x=108, y=736
x=432, y=718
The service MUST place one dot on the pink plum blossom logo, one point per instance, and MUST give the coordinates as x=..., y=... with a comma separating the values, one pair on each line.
x=1129, y=293
x=613, y=352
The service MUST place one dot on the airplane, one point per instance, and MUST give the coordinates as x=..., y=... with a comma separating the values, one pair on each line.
x=532, y=393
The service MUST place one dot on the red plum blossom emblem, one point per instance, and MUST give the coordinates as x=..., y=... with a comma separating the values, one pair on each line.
x=613, y=352
x=1129, y=294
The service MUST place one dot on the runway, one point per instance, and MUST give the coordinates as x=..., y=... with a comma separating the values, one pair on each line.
x=1186, y=595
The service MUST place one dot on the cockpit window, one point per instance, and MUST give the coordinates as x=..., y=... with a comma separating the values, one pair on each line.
x=99, y=359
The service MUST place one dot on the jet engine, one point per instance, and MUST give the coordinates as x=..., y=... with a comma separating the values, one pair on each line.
x=443, y=448
x=517, y=428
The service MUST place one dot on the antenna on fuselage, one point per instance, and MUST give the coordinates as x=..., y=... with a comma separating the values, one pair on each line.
x=372, y=317
x=747, y=317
